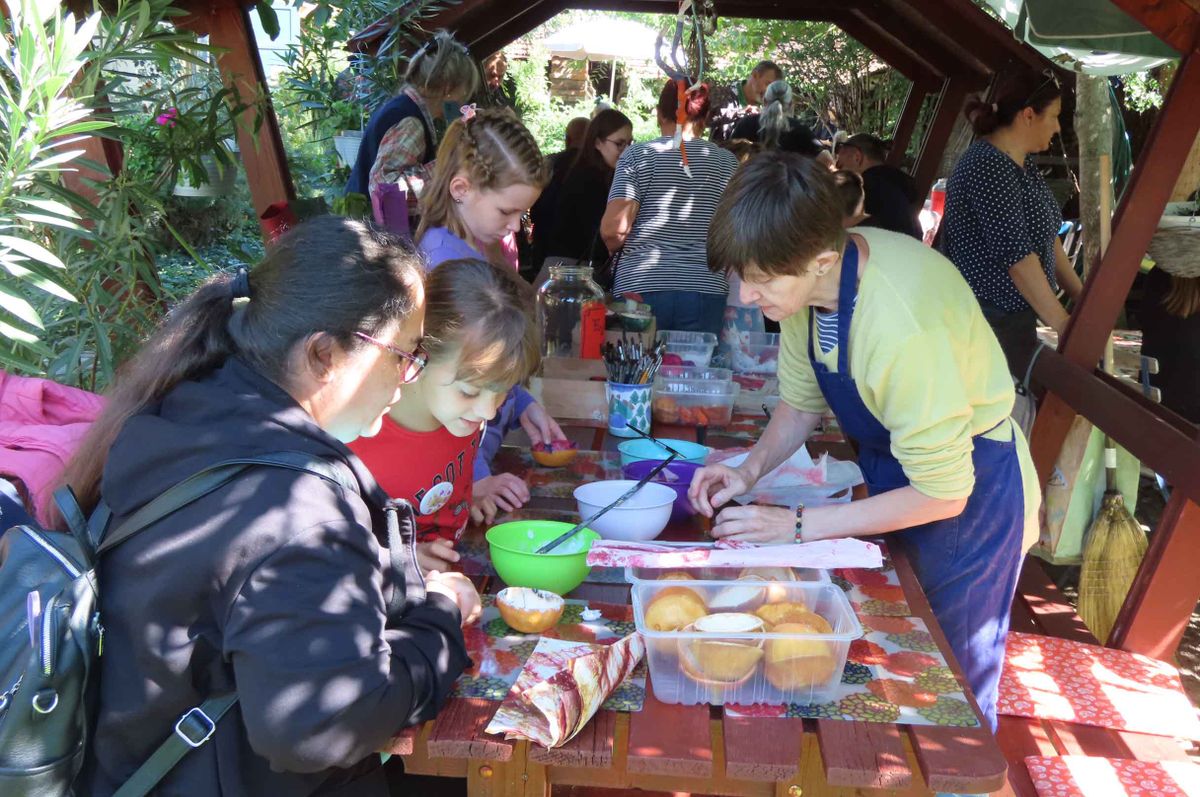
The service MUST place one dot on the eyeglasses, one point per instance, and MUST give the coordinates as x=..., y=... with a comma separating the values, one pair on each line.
x=620, y=144
x=1050, y=78
x=411, y=363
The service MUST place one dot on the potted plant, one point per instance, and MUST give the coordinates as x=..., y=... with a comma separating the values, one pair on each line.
x=348, y=118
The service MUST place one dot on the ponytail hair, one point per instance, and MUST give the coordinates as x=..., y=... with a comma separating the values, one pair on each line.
x=777, y=108
x=484, y=314
x=330, y=275
x=443, y=68
x=1014, y=93
x=697, y=105
x=494, y=151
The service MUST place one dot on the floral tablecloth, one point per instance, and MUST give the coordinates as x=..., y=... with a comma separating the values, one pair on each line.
x=1085, y=776
x=499, y=652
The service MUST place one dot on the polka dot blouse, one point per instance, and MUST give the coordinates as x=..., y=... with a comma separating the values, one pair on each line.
x=997, y=213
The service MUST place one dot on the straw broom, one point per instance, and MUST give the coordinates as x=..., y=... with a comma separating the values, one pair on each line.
x=1115, y=543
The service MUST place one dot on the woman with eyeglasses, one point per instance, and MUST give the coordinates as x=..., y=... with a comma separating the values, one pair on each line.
x=575, y=236
x=1001, y=221
x=279, y=585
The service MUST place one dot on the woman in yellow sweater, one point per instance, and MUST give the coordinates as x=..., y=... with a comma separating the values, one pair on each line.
x=884, y=332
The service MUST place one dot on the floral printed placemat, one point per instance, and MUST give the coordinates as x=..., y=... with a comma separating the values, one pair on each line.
x=894, y=674
x=499, y=652
x=873, y=592
x=1084, y=776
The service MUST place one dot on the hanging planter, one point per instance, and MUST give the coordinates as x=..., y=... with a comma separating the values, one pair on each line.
x=347, y=143
x=221, y=180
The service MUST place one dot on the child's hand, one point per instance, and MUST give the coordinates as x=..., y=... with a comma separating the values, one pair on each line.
x=436, y=554
x=540, y=427
x=494, y=494
x=459, y=589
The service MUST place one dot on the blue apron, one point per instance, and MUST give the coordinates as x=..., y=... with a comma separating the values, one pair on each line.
x=967, y=565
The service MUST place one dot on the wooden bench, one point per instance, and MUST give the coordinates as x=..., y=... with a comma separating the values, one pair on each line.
x=1040, y=608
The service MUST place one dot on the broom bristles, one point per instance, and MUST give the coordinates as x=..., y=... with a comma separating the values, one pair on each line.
x=1111, y=558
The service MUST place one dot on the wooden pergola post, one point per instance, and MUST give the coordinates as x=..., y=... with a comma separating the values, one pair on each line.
x=227, y=25
x=1136, y=220
x=949, y=105
x=907, y=123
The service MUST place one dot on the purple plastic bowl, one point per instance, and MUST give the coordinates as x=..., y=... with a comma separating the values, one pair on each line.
x=683, y=471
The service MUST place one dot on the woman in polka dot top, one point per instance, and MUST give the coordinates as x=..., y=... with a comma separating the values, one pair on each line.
x=1001, y=223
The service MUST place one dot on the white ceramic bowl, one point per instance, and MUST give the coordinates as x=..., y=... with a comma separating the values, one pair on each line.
x=642, y=517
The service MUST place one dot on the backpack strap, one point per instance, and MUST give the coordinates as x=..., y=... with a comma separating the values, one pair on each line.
x=211, y=478
x=402, y=550
x=193, y=729
x=68, y=507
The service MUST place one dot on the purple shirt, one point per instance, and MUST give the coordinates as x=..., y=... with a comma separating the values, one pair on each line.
x=438, y=245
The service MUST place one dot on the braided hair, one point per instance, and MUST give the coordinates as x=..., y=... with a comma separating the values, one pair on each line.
x=493, y=150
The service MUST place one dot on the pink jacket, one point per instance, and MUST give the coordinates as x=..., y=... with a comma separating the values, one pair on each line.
x=41, y=425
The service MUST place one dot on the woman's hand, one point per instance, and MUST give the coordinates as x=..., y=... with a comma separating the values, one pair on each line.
x=501, y=492
x=459, y=589
x=761, y=524
x=540, y=427
x=437, y=554
x=715, y=485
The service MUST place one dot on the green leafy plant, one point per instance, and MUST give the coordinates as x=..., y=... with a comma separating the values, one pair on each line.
x=79, y=253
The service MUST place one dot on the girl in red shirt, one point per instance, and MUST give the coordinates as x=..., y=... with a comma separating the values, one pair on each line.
x=481, y=340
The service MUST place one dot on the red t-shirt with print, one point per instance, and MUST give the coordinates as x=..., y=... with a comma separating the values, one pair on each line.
x=431, y=470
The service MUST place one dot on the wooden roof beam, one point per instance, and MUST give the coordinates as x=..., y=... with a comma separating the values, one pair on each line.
x=499, y=34
x=947, y=58
x=895, y=54
x=970, y=28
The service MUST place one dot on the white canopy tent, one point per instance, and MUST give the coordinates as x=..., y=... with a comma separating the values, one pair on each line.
x=603, y=39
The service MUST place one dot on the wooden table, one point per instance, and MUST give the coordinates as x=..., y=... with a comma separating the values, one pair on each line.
x=697, y=748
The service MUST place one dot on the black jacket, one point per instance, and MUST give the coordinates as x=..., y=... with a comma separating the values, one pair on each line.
x=582, y=200
x=271, y=584
x=1175, y=342
x=890, y=200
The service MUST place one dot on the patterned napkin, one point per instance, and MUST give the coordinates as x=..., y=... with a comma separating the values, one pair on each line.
x=562, y=686
x=875, y=592
x=1057, y=679
x=1084, y=776
x=499, y=652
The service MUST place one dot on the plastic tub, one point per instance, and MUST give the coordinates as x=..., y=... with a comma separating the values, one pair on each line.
x=686, y=373
x=693, y=403
x=641, y=448
x=677, y=476
x=771, y=667
x=643, y=516
x=512, y=545
x=693, y=348
x=810, y=575
x=756, y=353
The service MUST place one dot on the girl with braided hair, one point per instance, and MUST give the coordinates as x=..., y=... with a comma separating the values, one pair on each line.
x=489, y=172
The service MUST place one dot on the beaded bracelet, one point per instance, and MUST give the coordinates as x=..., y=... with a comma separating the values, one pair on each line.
x=800, y=523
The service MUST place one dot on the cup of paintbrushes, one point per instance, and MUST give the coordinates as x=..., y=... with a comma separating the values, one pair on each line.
x=628, y=404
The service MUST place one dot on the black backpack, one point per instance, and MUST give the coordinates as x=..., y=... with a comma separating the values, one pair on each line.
x=52, y=637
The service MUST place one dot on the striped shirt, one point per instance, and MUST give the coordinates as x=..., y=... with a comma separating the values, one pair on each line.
x=666, y=249
x=827, y=328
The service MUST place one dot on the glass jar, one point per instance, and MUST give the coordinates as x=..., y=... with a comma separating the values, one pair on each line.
x=571, y=312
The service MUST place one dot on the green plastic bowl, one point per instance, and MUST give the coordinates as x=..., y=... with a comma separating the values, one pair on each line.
x=512, y=548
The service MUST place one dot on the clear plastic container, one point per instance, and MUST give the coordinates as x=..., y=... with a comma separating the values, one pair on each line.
x=571, y=313
x=684, y=373
x=695, y=349
x=756, y=353
x=793, y=666
x=811, y=575
x=688, y=402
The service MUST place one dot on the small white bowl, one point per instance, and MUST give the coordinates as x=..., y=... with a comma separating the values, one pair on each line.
x=642, y=517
